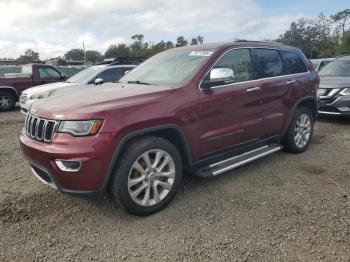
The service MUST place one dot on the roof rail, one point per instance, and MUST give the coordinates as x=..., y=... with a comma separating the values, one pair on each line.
x=254, y=41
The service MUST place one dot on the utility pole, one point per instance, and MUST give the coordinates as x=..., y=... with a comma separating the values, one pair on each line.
x=84, y=55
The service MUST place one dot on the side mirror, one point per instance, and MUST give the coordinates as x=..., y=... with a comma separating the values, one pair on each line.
x=98, y=81
x=219, y=76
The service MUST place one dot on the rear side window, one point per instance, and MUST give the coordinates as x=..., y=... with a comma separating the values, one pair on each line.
x=293, y=63
x=239, y=61
x=267, y=63
x=47, y=72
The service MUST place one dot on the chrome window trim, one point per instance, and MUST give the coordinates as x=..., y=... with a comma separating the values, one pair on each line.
x=255, y=80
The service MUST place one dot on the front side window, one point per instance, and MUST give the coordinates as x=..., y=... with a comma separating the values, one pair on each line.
x=168, y=68
x=267, y=63
x=336, y=68
x=47, y=72
x=292, y=62
x=239, y=61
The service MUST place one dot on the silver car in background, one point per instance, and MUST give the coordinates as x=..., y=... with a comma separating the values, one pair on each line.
x=334, y=91
x=94, y=75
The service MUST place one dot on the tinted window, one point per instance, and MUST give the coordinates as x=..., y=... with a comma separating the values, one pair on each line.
x=239, y=61
x=47, y=72
x=293, y=63
x=111, y=75
x=267, y=63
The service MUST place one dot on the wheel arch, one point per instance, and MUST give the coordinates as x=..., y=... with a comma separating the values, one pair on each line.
x=170, y=132
x=11, y=90
x=309, y=102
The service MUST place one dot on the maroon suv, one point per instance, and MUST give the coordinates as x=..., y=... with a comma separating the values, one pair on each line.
x=205, y=109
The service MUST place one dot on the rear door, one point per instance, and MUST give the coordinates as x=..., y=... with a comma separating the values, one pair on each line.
x=48, y=75
x=274, y=90
x=229, y=114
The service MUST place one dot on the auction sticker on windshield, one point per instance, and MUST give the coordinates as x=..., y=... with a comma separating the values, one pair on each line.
x=200, y=53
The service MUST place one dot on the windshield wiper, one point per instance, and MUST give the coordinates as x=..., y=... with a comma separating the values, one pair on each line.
x=138, y=82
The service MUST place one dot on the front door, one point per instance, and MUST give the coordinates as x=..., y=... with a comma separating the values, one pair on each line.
x=230, y=113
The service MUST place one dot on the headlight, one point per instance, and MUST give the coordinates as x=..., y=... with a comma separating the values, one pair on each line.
x=39, y=95
x=345, y=92
x=80, y=128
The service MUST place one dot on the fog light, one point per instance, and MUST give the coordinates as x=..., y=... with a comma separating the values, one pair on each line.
x=68, y=165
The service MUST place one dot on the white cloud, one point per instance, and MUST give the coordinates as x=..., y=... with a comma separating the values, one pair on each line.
x=54, y=26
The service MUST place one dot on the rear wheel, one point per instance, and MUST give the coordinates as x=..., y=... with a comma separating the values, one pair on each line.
x=147, y=176
x=299, y=135
x=7, y=101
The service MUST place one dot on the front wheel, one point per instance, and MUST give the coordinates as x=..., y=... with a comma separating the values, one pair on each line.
x=299, y=135
x=147, y=175
x=7, y=101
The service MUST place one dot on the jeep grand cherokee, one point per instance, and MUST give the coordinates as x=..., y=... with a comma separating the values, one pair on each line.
x=205, y=109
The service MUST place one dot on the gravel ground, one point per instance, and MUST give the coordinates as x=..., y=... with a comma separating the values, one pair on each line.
x=283, y=207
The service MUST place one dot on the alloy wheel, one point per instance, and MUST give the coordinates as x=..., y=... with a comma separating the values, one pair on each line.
x=151, y=177
x=302, y=131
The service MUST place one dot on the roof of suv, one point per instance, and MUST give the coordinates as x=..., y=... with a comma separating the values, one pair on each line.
x=239, y=43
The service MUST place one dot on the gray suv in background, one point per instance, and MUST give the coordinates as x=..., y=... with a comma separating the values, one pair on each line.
x=334, y=91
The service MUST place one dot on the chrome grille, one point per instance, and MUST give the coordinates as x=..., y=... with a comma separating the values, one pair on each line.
x=23, y=98
x=39, y=128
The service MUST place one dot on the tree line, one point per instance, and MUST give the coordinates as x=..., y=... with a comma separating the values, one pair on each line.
x=323, y=36
x=320, y=37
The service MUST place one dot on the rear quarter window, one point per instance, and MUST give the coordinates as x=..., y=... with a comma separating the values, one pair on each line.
x=267, y=63
x=293, y=63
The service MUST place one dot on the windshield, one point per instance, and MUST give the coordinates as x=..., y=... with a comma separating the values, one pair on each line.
x=84, y=75
x=336, y=68
x=169, y=68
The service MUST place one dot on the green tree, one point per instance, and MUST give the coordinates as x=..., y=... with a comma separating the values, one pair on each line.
x=75, y=54
x=138, y=47
x=200, y=39
x=342, y=19
x=29, y=56
x=194, y=41
x=313, y=37
x=93, y=56
x=181, y=41
x=120, y=50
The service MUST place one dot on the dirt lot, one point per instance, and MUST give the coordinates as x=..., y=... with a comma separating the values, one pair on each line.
x=282, y=207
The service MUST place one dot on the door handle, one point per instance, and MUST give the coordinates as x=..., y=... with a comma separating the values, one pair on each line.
x=253, y=89
x=290, y=82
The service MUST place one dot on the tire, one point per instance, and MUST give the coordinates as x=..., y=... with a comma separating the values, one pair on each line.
x=132, y=173
x=299, y=134
x=7, y=101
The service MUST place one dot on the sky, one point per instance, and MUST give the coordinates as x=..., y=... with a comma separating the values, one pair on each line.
x=52, y=27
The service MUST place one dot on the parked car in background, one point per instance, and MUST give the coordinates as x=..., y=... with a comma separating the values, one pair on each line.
x=94, y=75
x=334, y=91
x=321, y=63
x=12, y=85
x=206, y=108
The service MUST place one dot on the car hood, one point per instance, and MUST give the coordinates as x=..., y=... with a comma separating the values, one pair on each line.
x=83, y=102
x=47, y=87
x=334, y=81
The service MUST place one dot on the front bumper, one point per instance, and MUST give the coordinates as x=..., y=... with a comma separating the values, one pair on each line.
x=338, y=106
x=94, y=153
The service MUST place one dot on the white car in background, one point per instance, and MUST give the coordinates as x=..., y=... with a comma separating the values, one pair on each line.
x=94, y=75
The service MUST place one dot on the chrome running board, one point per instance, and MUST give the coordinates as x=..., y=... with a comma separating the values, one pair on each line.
x=238, y=160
